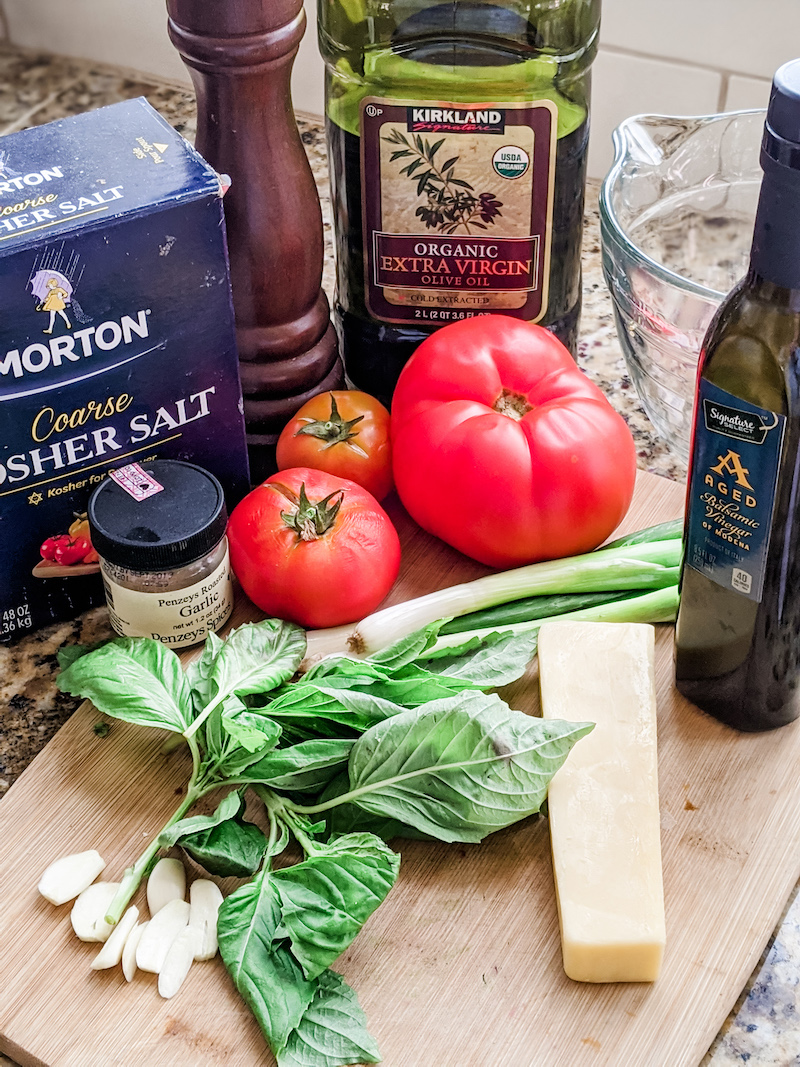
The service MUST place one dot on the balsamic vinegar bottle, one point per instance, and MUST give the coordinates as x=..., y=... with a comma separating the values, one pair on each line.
x=737, y=650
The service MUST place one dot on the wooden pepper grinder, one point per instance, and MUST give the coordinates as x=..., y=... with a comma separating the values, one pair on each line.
x=240, y=55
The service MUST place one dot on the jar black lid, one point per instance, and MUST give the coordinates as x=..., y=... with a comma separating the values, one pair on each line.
x=167, y=530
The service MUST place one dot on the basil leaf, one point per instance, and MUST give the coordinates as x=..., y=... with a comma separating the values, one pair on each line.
x=421, y=687
x=232, y=849
x=264, y=972
x=500, y=658
x=327, y=898
x=67, y=654
x=227, y=808
x=199, y=670
x=333, y=1029
x=135, y=679
x=305, y=767
x=257, y=657
x=349, y=818
x=254, y=732
x=344, y=667
x=314, y=706
x=408, y=648
x=461, y=768
x=367, y=705
x=223, y=843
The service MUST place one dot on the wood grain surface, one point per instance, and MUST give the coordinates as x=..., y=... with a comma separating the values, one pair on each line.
x=461, y=967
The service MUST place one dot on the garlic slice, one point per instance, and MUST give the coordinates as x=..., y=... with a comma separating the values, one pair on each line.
x=68, y=876
x=182, y=952
x=129, y=951
x=205, y=899
x=161, y=931
x=111, y=952
x=166, y=882
x=89, y=910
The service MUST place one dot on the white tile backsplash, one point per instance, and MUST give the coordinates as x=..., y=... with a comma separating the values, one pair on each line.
x=624, y=85
x=675, y=56
x=133, y=33
x=742, y=36
x=130, y=34
x=745, y=93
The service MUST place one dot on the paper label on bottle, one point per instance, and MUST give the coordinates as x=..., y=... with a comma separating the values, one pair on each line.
x=178, y=618
x=735, y=461
x=457, y=208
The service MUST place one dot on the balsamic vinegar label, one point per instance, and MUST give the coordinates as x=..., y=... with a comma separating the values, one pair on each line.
x=737, y=451
x=457, y=208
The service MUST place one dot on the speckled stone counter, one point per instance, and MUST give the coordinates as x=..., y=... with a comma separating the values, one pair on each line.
x=764, y=1027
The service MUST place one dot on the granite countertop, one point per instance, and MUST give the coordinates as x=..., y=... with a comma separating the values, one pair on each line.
x=763, y=1029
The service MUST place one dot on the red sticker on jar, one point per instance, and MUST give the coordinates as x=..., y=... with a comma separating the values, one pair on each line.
x=136, y=482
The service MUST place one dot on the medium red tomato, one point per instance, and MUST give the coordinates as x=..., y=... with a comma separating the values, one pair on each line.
x=504, y=449
x=312, y=548
x=344, y=432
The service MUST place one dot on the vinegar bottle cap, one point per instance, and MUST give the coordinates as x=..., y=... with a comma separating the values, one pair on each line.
x=782, y=129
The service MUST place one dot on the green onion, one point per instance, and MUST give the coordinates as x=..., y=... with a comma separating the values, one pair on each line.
x=659, y=605
x=662, y=531
x=530, y=608
x=635, y=567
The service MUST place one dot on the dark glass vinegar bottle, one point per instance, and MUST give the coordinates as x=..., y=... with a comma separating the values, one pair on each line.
x=737, y=649
x=457, y=138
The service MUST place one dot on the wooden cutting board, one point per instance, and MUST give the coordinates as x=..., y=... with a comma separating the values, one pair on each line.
x=461, y=967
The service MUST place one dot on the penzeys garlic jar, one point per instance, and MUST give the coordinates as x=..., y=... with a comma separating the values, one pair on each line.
x=159, y=529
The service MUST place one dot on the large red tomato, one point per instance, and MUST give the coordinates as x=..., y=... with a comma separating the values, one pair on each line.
x=312, y=548
x=504, y=448
x=343, y=432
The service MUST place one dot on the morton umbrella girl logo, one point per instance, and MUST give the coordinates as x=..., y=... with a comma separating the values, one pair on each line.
x=52, y=283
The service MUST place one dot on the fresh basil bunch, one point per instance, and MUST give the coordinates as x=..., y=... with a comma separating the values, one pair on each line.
x=404, y=743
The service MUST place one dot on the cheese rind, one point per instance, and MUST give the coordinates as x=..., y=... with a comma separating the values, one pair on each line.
x=603, y=802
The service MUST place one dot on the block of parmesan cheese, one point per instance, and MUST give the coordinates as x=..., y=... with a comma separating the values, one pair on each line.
x=603, y=802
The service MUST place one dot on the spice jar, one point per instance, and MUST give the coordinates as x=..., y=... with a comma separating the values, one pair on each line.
x=159, y=529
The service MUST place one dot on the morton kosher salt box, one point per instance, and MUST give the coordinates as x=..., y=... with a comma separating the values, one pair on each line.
x=117, y=339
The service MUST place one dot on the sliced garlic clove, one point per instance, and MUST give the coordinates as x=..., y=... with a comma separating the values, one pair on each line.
x=167, y=882
x=161, y=931
x=67, y=877
x=205, y=899
x=89, y=911
x=182, y=952
x=111, y=952
x=129, y=951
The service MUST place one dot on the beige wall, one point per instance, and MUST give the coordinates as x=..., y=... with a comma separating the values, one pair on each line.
x=669, y=56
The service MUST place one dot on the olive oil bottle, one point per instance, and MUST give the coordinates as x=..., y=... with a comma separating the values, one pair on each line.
x=457, y=136
x=738, y=627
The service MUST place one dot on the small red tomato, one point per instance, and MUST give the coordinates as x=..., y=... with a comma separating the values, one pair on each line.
x=72, y=550
x=50, y=546
x=312, y=548
x=344, y=432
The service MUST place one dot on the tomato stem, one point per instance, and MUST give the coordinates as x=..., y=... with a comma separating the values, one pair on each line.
x=514, y=405
x=310, y=520
x=334, y=430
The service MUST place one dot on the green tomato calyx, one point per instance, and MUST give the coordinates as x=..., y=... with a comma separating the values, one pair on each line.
x=309, y=519
x=334, y=430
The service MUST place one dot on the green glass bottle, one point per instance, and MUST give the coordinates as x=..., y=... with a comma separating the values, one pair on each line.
x=457, y=138
x=737, y=649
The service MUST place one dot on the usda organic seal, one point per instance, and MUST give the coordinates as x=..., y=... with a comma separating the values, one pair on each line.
x=510, y=161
